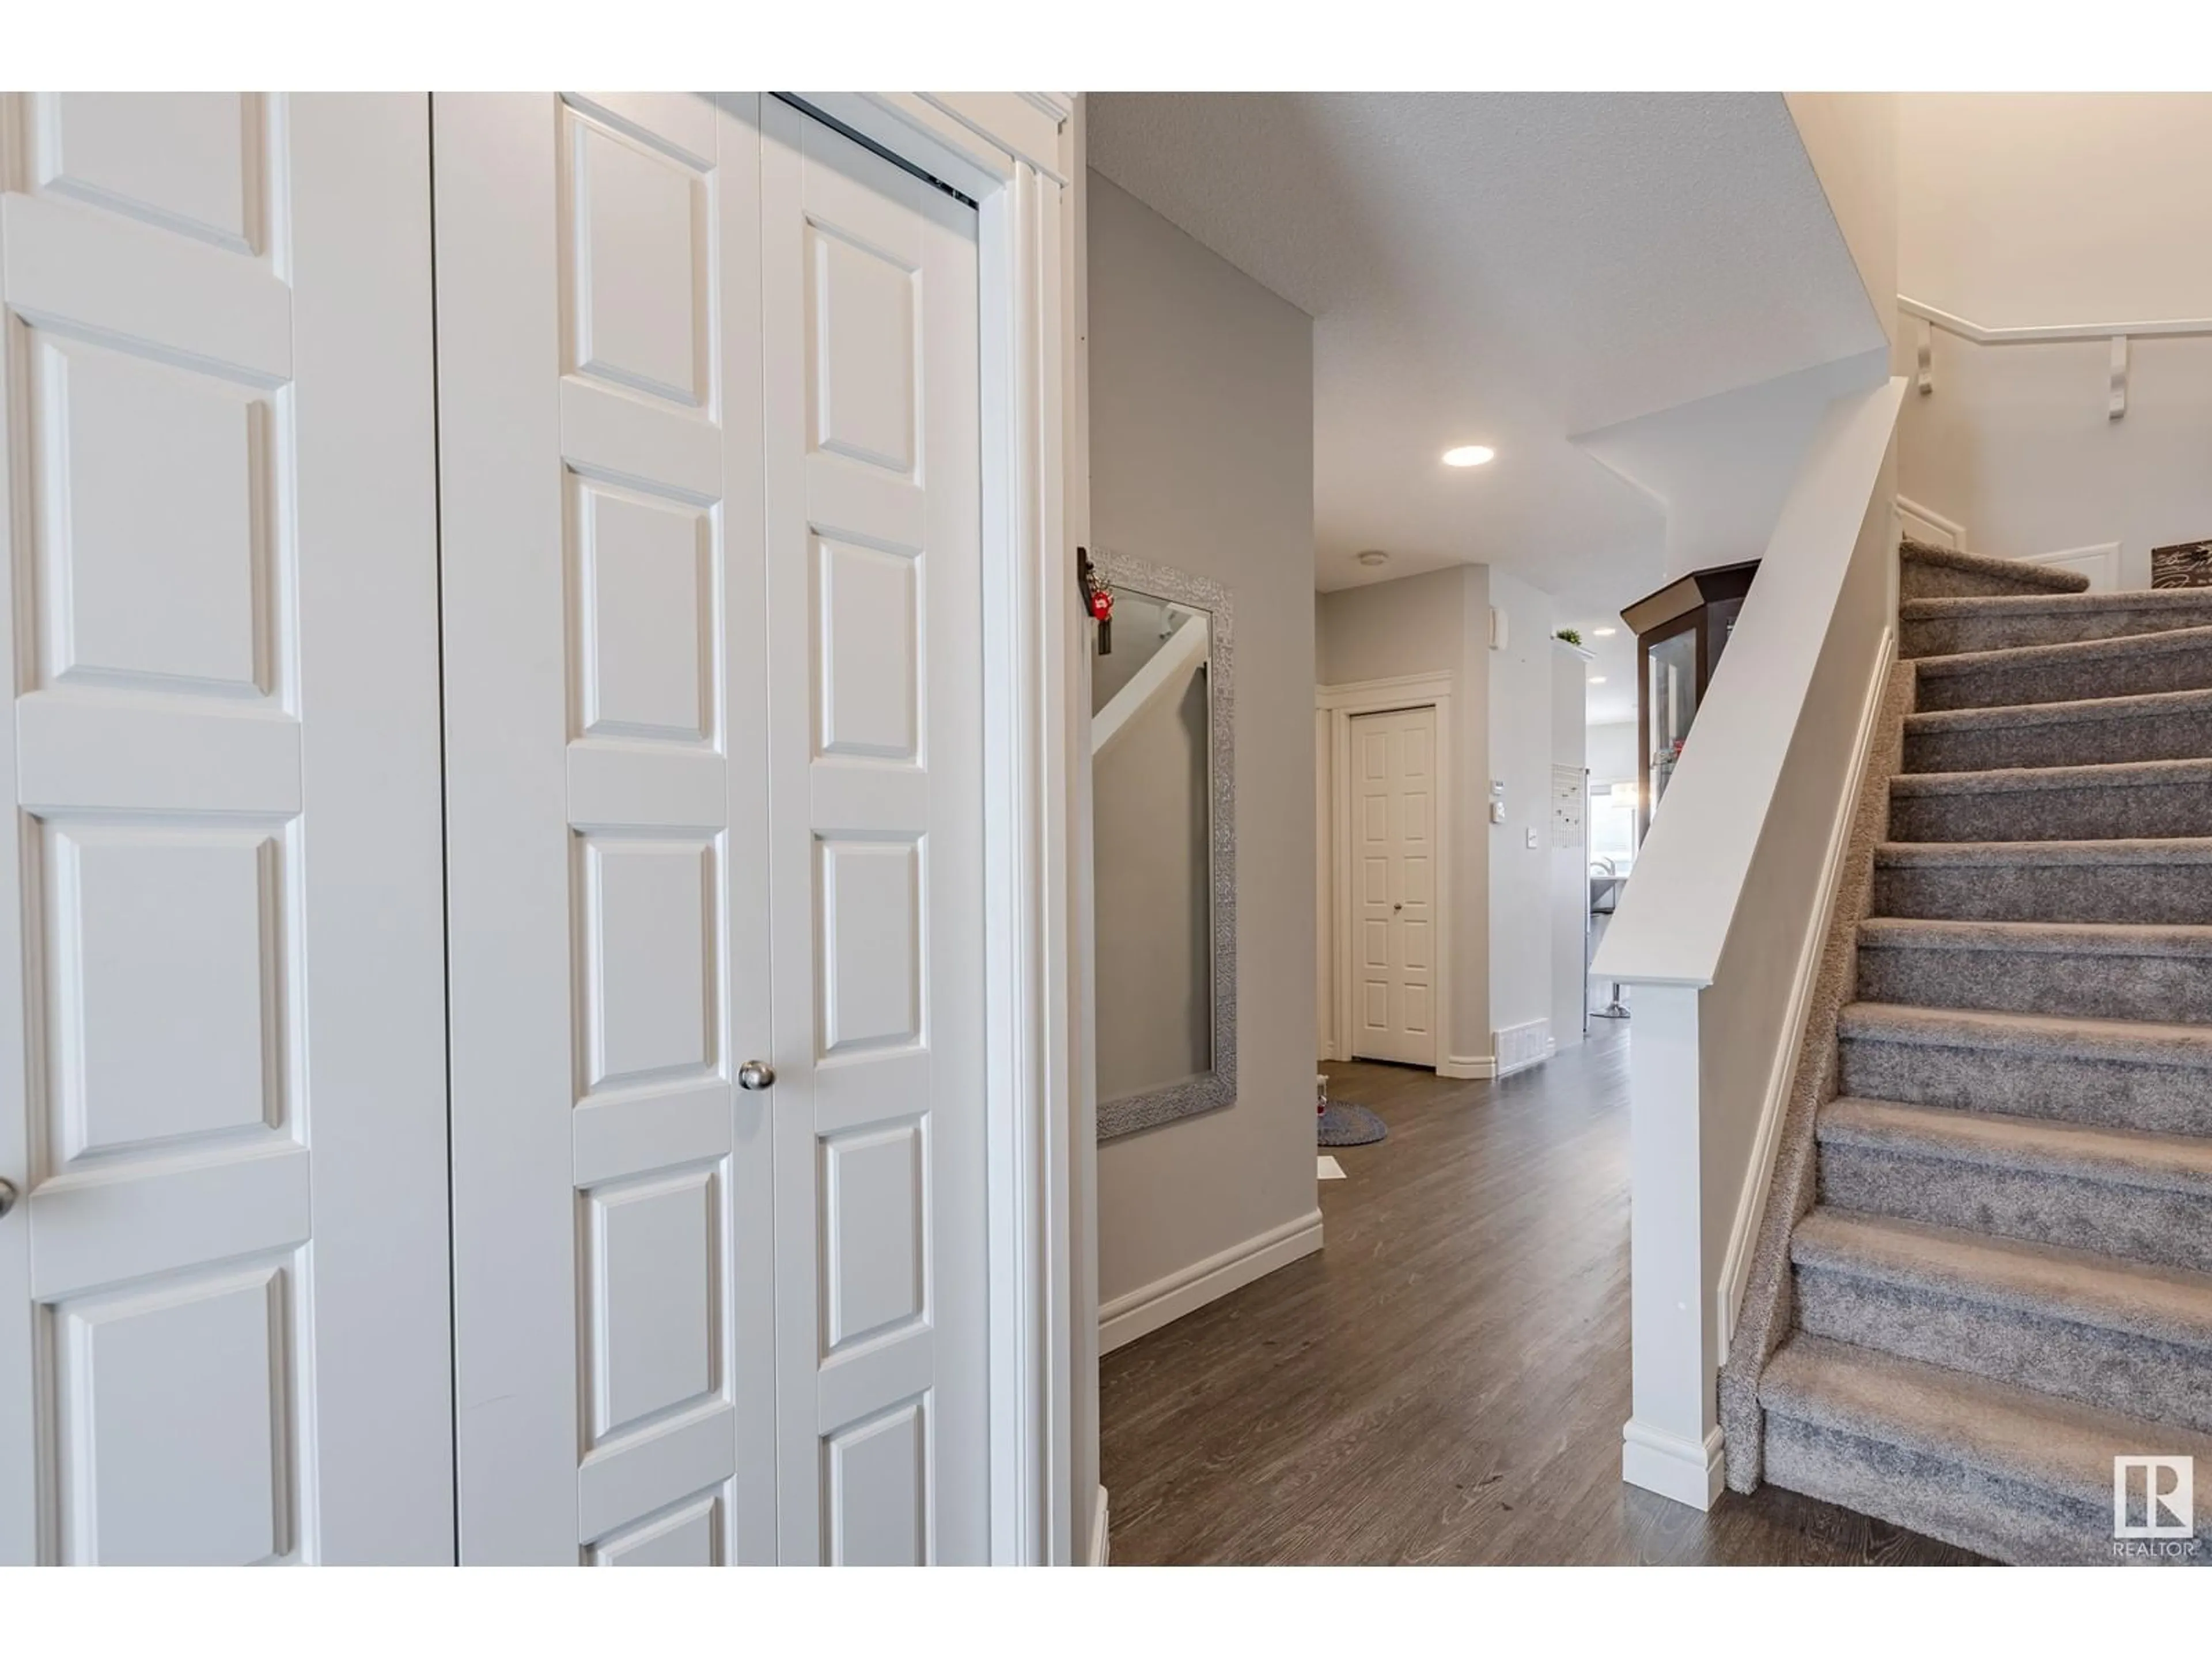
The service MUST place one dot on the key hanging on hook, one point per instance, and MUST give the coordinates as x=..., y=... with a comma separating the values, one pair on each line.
x=1097, y=601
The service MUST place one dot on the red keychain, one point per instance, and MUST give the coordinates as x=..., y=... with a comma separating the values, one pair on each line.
x=1098, y=598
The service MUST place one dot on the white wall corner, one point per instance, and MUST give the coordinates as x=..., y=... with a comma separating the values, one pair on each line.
x=1759, y=1179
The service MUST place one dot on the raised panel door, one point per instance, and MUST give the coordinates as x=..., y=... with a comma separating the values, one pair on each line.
x=598, y=329
x=1395, y=860
x=874, y=556
x=224, y=1298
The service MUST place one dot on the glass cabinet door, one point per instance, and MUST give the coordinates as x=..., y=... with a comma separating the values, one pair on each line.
x=1671, y=695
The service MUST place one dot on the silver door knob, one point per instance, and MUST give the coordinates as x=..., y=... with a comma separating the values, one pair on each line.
x=756, y=1074
x=7, y=1195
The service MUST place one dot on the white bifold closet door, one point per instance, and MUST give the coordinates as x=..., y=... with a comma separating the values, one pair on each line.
x=709, y=438
x=224, y=1289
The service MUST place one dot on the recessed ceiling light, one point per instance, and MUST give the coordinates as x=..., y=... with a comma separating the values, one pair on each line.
x=1597, y=679
x=1605, y=632
x=1469, y=455
x=1373, y=557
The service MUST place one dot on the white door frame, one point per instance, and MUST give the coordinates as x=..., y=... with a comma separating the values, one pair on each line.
x=1009, y=152
x=1341, y=704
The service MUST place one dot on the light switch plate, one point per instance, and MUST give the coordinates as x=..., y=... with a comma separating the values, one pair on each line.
x=1497, y=811
x=1532, y=838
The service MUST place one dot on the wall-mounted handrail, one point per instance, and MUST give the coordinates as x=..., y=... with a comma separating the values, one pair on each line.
x=1931, y=317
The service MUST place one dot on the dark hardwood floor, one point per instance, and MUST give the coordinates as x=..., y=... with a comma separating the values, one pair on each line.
x=1446, y=1380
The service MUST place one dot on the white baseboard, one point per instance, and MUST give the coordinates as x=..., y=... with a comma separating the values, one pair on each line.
x=1098, y=1544
x=1751, y=1202
x=1674, y=1468
x=1148, y=1307
x=1464, y=1066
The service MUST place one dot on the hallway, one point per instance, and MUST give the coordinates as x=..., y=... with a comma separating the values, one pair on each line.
x=1445, y=1383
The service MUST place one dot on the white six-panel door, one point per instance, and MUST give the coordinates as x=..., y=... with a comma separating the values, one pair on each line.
x=1394, y=862
x=599, y=407
x=875, y=775
x=223, y=1298
x=714, y=797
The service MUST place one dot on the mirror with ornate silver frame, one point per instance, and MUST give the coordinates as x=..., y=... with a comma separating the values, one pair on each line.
x=1163, y=848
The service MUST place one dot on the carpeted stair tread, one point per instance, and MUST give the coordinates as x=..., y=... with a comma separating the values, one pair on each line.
x=2089, y=938
x=2119, y=1158
x=2100, y=969
x=1990, y=1426
x=2131, y=880
x=2147, y=726
x=2040, y=855
x=2077, y=1287
x=2076, y=711
x=2131, y=799
x=2180, y=601
x=2171, y=660
x=2127, y=1073
x=2024, y=779
x=2063, y=652
x=2144, y=1041
x=2141, y=705
x=1983, y=573
x=1947, y=625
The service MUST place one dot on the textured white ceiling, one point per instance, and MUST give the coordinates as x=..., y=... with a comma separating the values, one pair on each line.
x=1507, y=268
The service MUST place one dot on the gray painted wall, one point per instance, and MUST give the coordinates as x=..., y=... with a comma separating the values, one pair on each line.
x=1511, y=721
x=1201, y=457
x=1570, y=865
x=1435, y=624
x=1411, y=625
x=1521, y=758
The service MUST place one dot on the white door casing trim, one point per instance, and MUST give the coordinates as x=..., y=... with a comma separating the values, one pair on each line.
x=1341, y=704
x=1008, y=152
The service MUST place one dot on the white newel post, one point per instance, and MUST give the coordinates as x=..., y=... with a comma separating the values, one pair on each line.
x=1671, y=1444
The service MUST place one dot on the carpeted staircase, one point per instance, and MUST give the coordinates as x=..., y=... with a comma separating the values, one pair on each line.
x=1986, y=1266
